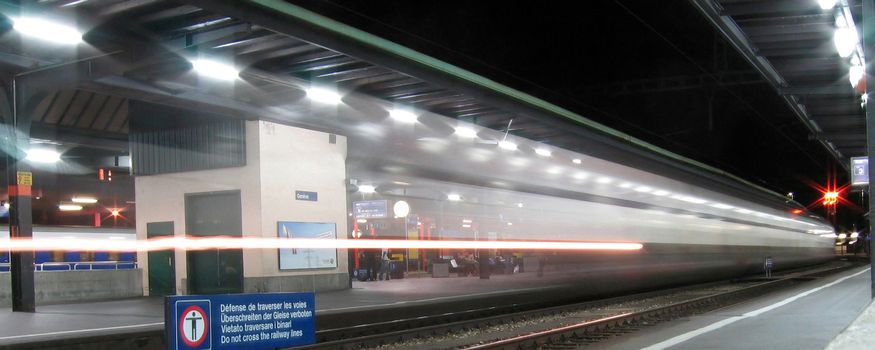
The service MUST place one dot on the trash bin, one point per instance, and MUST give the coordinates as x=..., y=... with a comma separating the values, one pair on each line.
x=361, y=274
x=396, y=269
x=440, y=270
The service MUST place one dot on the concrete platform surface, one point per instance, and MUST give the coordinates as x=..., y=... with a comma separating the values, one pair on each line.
x=64, y=321
x=860, y=335
x=807, y=316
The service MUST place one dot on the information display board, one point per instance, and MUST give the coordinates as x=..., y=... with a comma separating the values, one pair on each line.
x=239, y=321
x=306, y=258
x=859, y=171
x=378, y=209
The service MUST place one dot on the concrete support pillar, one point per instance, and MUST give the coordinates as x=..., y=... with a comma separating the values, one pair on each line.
x=19, y=181
x=868, y=34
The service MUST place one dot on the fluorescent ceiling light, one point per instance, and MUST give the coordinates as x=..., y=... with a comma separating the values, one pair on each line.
x=47, y=30
x=466, y=221
x=466, y=225
x=576, y=161
x=689, y=199
x=69, y=207
x=660, y=193
x=215, y=69
x=86, y=200
x=454, y=197
x=604, y=180
x=581, y=175
x=507, y=145
x=721, y=206
x=846, y=40
x=323, y=95
x=626, y=185
x=403, y=115
x=43, y=156
x=826, y=4
x=543, y=152
x=855, y=73
x=554, y=170
x=519, y=205
x=644, y=189
x=367, y=189
x=462, y=131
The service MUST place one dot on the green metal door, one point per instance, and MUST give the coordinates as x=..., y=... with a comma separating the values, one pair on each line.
x=216, y=271
x=162, y=276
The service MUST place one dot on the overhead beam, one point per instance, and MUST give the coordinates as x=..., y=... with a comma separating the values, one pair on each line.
x=773, y=7
x=838, y=136
x=726, y=25
x=836, y=89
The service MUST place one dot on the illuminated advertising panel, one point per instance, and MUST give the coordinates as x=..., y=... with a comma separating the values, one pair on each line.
x=306, y=258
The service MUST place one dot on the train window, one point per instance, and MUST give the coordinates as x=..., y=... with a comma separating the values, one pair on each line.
x=86, y=256
x=57, y=256
x=112, y=256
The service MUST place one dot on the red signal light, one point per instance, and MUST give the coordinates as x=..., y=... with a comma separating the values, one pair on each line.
x=104, y=175
x=830, y=198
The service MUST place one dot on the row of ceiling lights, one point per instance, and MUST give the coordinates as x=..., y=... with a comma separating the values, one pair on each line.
x=846, y=38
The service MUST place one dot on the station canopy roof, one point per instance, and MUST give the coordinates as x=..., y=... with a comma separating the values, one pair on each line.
x=792, y=44
x=144, y=49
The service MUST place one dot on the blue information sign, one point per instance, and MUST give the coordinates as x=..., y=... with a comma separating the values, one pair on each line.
x=239, y=321
x=306, y=196
x=859, y=171
x=377, y=209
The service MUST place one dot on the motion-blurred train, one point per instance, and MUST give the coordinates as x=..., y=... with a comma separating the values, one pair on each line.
x=695, y=223
x=73, y=260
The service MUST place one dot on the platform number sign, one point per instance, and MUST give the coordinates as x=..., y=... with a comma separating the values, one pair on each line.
x=193, y=324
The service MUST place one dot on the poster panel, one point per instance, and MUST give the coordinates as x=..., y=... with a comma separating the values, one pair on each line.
x=306, y=258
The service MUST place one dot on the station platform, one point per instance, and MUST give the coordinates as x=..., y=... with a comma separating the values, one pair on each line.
x=807, y=316
x=374, y=301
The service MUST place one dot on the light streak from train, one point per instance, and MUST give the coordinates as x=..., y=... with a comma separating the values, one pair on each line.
x=195, y=243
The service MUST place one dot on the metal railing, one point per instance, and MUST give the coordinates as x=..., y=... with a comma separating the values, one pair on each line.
x=77, y=265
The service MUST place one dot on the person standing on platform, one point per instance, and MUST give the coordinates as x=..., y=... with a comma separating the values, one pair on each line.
x=767, y=266
x=373, y=264
x=384, y=265
x=364, y=266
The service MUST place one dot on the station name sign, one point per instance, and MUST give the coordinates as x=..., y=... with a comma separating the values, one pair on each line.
x=239, y=321
x=859, y=171
x=306, y=196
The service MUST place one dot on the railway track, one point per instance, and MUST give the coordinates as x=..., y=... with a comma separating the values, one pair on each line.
x=512, y=327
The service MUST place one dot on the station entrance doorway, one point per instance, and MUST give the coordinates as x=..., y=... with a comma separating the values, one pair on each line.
x=215, y=271
x=162, y=279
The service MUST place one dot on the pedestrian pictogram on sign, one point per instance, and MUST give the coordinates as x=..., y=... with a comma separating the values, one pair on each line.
x=193, y=325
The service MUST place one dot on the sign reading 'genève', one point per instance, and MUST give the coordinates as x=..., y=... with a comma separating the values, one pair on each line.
x=239, y=321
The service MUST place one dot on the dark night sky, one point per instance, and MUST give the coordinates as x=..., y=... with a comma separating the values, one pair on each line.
x=592, y=56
